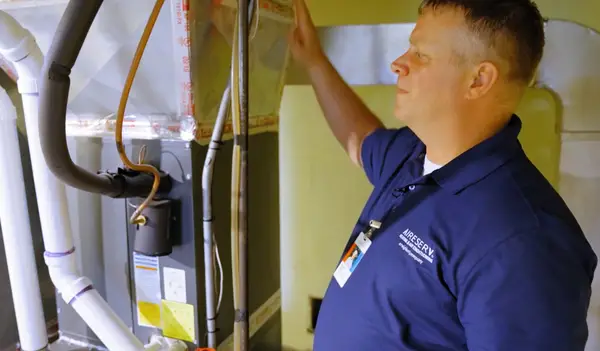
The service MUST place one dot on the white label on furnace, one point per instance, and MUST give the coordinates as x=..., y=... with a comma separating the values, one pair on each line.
x=147, y=290
x=174, y=284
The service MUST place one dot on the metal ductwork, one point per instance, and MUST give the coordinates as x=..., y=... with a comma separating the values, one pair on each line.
x=164, y=104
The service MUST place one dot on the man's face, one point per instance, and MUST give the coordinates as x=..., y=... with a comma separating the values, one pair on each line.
x=431, y=79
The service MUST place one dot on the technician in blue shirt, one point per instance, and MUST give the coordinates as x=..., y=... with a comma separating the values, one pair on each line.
x=464, y=244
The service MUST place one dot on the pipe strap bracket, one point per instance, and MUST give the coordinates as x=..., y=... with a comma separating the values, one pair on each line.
x=241, y=316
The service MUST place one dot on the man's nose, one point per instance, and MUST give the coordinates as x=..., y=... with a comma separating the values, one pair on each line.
x=399, y=67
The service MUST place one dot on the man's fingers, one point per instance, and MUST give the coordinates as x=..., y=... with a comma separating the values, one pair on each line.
x=292, y=35
x=302, y=16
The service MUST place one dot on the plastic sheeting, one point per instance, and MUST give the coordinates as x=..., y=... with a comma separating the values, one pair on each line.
x=190, y=39
x=268, y=60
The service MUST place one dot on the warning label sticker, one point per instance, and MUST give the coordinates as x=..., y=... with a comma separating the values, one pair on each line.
x=147, y=290
x=178, y=321
x=174, y=280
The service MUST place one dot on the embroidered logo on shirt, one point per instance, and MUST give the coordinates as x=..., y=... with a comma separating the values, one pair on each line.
x=415, y=247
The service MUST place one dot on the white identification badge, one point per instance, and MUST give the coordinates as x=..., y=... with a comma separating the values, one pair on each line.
x=351, y=259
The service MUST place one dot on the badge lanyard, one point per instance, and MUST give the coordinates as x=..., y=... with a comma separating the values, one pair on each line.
x=359, y=248
x=387, y=191
x=376, y=223
x=355, y=253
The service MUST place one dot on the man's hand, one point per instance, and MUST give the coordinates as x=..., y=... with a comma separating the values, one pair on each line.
x=348, y=117
x=304, y=41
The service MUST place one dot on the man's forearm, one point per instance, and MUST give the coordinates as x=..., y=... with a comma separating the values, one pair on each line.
x=347, y=115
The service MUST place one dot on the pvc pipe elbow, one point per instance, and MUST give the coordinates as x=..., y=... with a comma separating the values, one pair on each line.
x=11, y=35
x=19, y=46
x=29, y=67
x=65, y=277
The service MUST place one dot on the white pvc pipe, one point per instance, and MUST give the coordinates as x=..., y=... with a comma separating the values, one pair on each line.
x=98, y=315
x=18, y=46
x=16, y=233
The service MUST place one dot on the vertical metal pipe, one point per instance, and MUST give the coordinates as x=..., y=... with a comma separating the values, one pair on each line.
x=243, y=33
x=207, y=176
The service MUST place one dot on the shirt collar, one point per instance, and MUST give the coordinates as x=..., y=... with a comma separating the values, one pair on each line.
x=481, y=160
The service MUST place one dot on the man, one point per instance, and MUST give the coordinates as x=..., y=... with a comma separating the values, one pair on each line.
x=466, y=245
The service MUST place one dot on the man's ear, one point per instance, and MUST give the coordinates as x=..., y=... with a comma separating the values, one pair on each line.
x=481, y=80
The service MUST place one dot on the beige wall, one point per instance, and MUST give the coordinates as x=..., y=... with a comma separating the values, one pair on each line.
x=322, y=193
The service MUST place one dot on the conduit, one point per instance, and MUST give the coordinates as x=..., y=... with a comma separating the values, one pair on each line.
x=210, y=245
x=75, y=289
x=16, y=229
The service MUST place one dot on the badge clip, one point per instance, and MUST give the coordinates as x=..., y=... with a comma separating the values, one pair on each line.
x=373, y=226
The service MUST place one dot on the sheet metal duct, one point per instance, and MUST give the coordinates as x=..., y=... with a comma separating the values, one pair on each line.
x=191, y=39
x=98, y=76
x=379, y=44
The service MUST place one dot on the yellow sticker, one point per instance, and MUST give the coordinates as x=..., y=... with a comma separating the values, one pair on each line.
x=148, y=314
x=178, y=320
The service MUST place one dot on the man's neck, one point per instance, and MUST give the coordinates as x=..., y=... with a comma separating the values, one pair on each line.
x=445, y=143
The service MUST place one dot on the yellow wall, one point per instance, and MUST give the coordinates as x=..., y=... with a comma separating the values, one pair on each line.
x=322, y=193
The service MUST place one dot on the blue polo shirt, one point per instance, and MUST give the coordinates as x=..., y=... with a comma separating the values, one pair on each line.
x=481, y=254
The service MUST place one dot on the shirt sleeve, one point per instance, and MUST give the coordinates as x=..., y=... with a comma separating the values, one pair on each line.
x=527, y=294
x=383, y=150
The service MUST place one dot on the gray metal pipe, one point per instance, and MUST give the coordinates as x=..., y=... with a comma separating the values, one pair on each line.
x=242, y=317
x=54, y=96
